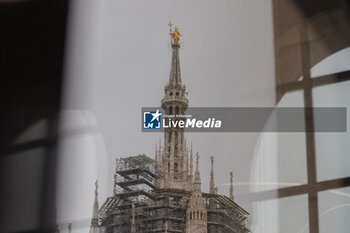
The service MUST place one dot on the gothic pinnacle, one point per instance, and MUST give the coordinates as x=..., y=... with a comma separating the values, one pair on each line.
x=231, y=186
x=197, y=177
x=94, y=221
x=191, y=161
x=212, y=182
x=95, y=208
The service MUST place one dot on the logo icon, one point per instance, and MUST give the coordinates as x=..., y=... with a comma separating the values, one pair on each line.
x=152, y=120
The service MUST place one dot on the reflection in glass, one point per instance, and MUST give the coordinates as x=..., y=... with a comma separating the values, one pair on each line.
x=334, y=210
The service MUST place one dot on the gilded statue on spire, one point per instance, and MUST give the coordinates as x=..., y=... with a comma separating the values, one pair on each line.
x=176, y=36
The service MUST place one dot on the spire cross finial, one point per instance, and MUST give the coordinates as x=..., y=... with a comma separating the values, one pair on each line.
x=170, y=25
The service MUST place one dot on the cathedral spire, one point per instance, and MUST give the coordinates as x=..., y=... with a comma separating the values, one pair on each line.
x=197, y=176
x=196, y=213
x=175, y=104
x=212, y=183
x=94, y=221
x=175, y=74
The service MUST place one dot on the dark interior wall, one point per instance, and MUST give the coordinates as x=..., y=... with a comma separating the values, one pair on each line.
x=31, y=67
x=328, y=31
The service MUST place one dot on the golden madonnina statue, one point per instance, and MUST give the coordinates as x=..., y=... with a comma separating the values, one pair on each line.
x=176, y=36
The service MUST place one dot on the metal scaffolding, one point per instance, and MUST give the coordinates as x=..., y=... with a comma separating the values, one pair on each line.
x=138, y=183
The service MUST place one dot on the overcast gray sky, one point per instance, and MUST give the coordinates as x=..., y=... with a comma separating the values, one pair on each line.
x=118, y=60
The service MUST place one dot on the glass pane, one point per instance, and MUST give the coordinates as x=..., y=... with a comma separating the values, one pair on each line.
x=332, y=149
x=36, y=131
x=280, y=158
x=292, y=148
x=287, y=215
x=334, y=210
x=337, y=62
